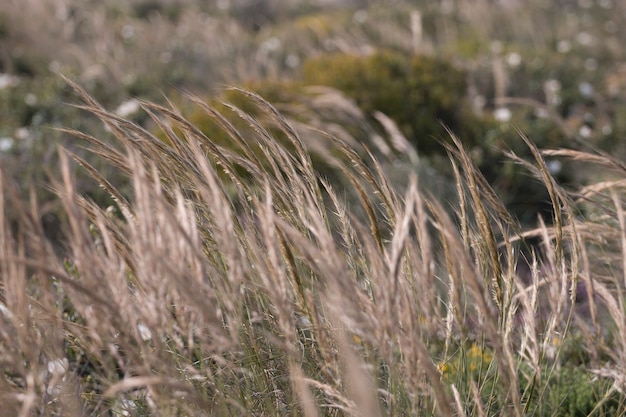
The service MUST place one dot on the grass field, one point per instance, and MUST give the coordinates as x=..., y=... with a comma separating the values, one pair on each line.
x=405, y=208
x=240, y=283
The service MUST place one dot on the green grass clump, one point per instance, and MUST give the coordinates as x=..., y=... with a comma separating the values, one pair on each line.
x=421, y=94
x=573, y=392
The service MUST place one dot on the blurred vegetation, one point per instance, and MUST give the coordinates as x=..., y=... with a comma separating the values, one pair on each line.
x=554, y=71
x=572, y=392
x=421, y=94
x=424, y=65
x=564, y=388
x=424, y=97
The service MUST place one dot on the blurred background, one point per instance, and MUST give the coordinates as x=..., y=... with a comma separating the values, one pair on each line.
x=369, y=70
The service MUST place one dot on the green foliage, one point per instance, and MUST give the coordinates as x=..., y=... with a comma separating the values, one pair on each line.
x=468, y=362
x=30, y=114
x=32, y=102
x=422, y=95
x=228, y=103
x=419, y=93
x=567, y=391
x=523, y=195
x=146, y=8
x=234, y=106
x=574, y=392
x=473, y=364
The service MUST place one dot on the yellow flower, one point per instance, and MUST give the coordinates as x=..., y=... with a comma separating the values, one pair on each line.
x=445, y=368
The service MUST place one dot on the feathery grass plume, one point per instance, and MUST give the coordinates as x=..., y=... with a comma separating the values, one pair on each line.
x=492, y=220
x=238, y=280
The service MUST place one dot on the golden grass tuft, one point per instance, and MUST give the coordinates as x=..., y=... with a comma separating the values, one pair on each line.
x=236, y=283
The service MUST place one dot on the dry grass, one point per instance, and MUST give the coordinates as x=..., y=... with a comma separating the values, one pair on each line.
x=234, y=282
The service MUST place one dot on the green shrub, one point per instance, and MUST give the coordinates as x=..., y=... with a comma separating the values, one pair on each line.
x=421, y=94
x=574, y=392
x=523, y=195
x=210, y=126
x=294, y=101
x=567, y=391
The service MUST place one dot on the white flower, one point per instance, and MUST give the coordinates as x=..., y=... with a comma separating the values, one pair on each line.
x=292, y=60
x=554, y=166
x=144, y=332
x=8, y=80
x=514, y=59
x=128, y=32
x=22, y=133
x=360, y=16
x=30, y=99
x=584, y=38
x=586, y=89
x=127, y=108
x=270, y=45
x=563, y=47
x=502, y=114
x=585, y=131
x=5, y=145
x=58, y=366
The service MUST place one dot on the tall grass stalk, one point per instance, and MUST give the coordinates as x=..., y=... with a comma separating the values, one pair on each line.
x=236, y=280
